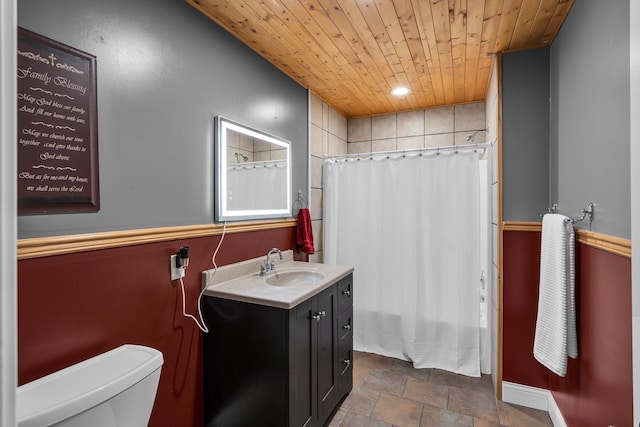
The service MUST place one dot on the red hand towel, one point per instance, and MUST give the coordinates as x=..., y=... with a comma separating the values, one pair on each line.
x=305, y=232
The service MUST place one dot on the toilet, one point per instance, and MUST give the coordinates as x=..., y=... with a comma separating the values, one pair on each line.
x=113, y=389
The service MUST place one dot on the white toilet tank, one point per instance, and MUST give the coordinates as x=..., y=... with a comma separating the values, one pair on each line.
x=113, y=389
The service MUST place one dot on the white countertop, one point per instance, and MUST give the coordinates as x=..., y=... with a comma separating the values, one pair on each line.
x=241, y=282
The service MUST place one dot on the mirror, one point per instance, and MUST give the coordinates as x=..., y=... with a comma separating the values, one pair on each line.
x=253, y=173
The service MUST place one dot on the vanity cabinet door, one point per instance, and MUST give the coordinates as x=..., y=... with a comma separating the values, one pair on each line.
x=325, y=317
x=302, y=357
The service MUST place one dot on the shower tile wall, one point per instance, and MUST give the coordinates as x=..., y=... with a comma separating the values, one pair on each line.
x=433, y=127
x=328, y=138
x=332, y=134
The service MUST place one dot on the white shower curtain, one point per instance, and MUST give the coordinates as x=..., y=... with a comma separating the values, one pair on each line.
x=410, y=226
x=250, y=185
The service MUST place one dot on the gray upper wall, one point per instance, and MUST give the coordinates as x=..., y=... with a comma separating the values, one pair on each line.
x=164, y=71
x=525, y=134
x=590, y=115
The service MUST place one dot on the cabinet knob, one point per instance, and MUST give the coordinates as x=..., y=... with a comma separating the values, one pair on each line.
x=347, y=327
x=347, y=293
x=319, y=315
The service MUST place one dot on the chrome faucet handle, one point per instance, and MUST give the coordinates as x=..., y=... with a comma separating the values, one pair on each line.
x=264, y=269
x=270, y=266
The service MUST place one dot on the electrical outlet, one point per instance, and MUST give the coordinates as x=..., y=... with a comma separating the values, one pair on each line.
x=176, y=272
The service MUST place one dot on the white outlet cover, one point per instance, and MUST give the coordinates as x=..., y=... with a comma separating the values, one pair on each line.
x=176, y=272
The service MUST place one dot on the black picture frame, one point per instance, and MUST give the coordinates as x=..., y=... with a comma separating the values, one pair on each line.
x=58, y=170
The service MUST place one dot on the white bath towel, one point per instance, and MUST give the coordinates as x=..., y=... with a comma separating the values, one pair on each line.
x=555, y=336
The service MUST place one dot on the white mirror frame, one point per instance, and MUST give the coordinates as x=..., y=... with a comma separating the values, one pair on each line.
x=222, y=210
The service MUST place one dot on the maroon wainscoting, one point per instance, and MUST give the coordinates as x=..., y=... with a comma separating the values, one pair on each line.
x=597, y=389
x=75, y=306
x=521, y=274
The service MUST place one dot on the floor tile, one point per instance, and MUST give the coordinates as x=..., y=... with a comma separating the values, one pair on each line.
x=439, y=417
x=478, y=404
x=360, y=401
x=389, y=392
x=479, y=422
x=384, y=381
x=355, y=420
x=516, y=416
x=359, y=372
x=397, y=411
x=450, y=379
x=427, y=392
x=407, y=368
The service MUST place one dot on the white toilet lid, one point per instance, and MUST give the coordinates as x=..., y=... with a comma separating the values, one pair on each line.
x=84, y=385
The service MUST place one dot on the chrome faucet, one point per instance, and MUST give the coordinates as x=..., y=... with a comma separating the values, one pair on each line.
x=269, y=266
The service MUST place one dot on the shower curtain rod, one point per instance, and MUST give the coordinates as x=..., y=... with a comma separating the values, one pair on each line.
x=413, y=151
x=259, y=164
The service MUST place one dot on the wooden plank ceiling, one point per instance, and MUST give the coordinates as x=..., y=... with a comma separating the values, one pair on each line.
x=351, y=53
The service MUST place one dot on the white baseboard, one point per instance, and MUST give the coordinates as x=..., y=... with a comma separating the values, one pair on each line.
x=533, y=397
x=555, y=414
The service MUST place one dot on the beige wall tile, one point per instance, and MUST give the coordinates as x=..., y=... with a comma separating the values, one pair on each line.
x=316, y=172
x=334, y=148
x=316, y=110
x=344, y=147
x=410, y=123
x=317, y=234
x=359, y=147
x=261, y=156
x=439, y=120
x=278, y=154
x=438, y=140
x=390, y=144
x=317, y=257
x=316, y=141
x=359, y=129
x=246, y=143
x=325, y=116
x=384, y=127
x=470, y=116
x=325, y=143
x=316, y=204
x=334, y=122
x=337, y=146
x=411, y=142
x=259, y=145
x=342, y=127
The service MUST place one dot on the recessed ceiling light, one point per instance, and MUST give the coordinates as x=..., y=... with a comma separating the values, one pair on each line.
x=400, y=91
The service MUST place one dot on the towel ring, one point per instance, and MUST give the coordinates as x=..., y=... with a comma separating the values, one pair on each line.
x=587, y=212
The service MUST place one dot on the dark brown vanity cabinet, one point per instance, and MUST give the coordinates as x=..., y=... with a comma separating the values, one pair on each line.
x=268, y=366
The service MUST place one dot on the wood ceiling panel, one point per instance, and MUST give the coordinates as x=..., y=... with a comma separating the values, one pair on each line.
x=351, y=53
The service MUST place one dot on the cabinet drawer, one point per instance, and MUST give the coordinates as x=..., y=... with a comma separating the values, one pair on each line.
x=345, y=365
x=345, y=293
x=345, y=323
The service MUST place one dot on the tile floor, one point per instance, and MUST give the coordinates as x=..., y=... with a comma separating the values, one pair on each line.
x=391, y=393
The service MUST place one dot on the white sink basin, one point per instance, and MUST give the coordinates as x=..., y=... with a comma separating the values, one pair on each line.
x=290, y=284
x=293, y=278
